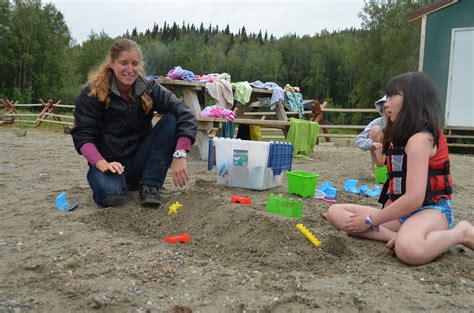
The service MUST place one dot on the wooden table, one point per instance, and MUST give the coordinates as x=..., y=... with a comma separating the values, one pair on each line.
x=193, y=93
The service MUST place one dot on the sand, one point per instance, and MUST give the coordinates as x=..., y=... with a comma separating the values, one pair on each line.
x=240, y=258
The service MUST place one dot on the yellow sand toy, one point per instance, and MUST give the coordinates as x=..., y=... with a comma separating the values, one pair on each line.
x=173, y=208
x=308, y=235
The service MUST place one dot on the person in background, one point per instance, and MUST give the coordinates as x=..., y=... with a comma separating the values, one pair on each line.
x=371, y=138
x=114, y=132
x=417, y=219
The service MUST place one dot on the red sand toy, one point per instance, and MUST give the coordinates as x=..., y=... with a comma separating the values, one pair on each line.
x=241, y=200
x=184, y=238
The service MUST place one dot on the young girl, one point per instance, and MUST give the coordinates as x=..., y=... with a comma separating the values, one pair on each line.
x=371, y=138
x=416, y=221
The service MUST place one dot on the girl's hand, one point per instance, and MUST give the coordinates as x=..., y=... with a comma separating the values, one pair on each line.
x=377, y=146
x=356, y=223
x=113, y=167
x=180, y=172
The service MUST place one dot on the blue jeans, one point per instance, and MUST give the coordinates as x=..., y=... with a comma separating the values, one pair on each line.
x=147, y=166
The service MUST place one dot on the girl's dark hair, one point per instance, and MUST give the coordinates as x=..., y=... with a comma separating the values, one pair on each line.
x=419, y=112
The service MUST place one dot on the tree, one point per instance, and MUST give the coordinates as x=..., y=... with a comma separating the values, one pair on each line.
x=93, y=52
x=243, y=35
x=6, y=54
x=388, y=46
x=157, y=58
x=38, y=39
x=260, y=38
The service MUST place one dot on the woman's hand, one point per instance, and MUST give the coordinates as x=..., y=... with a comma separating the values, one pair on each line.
x=113, y=167
x=180, y=172
x=356, y=223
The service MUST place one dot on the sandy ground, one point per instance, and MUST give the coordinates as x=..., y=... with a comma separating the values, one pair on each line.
x=240, y=258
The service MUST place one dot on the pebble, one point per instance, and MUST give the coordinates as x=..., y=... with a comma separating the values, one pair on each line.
x=94, y=304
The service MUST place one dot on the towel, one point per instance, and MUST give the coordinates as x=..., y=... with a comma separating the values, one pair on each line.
x=221, y=90
x=302, y=135
x=180, y=73
x=278, y=94
x=242, y=92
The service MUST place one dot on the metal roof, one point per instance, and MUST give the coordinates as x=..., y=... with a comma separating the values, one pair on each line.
x=429, y=8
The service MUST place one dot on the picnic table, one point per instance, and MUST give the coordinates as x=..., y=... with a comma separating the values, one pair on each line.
x=194, y=96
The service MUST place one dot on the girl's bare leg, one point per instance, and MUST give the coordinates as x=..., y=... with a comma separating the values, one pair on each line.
x=338, y=214
x=425, y=235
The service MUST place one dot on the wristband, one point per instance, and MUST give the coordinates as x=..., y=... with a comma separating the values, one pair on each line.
x=370, y=224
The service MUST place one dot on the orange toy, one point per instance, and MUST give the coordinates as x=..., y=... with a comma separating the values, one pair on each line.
x=184, y=238
x=241, y=200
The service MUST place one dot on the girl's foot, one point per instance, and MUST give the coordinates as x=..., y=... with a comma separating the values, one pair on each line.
x=467, y=233
x=391, y=244
x=324, y=215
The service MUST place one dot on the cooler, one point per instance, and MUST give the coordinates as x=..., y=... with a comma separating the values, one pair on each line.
x=249, y=164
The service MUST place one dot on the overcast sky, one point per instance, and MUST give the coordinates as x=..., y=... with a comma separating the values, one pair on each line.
x=115, y=17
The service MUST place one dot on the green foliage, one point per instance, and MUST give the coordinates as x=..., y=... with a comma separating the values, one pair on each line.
x=157, y=57
x=388, y=46
x=350, y=67
x=22, y=96
x=33, y=46
x=91, y=54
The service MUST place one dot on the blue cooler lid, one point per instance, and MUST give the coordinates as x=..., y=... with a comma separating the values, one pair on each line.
x=280, y=157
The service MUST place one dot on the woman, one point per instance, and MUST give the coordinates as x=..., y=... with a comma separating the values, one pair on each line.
x=417, y=220
x=114, y=133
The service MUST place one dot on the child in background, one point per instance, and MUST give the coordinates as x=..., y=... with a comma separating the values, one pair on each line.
x=417, y=221
x=371, y=138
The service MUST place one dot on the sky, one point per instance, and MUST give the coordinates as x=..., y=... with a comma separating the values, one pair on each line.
x=115, y=17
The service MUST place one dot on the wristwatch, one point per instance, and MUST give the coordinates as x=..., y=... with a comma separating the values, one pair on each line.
x=370, y=224
x=179, y=154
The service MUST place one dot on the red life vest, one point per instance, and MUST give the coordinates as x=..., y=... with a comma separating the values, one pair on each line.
x=439, y=184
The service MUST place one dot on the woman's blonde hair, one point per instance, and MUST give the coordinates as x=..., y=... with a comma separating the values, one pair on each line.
x=99, y=79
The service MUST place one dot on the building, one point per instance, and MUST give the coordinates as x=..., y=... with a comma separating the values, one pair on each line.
x=447, y=56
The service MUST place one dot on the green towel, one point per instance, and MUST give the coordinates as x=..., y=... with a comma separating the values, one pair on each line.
x=302, y=135
x=242, y=92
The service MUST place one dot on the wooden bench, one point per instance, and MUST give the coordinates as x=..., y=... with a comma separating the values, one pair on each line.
x=466, y=135
x=317, y=116
x=263, y=115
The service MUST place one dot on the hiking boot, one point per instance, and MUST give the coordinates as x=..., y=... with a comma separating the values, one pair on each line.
x=150, y=195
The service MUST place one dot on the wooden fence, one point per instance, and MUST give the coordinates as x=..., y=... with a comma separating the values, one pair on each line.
x=49, y=114
x=451, y=134
x=49, y=110
x=276, y=134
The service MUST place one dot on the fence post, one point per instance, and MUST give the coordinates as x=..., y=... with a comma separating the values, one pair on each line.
x=48, y=107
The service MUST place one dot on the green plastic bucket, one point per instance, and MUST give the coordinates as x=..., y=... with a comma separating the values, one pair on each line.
x=381, y=174
x=302, y=183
